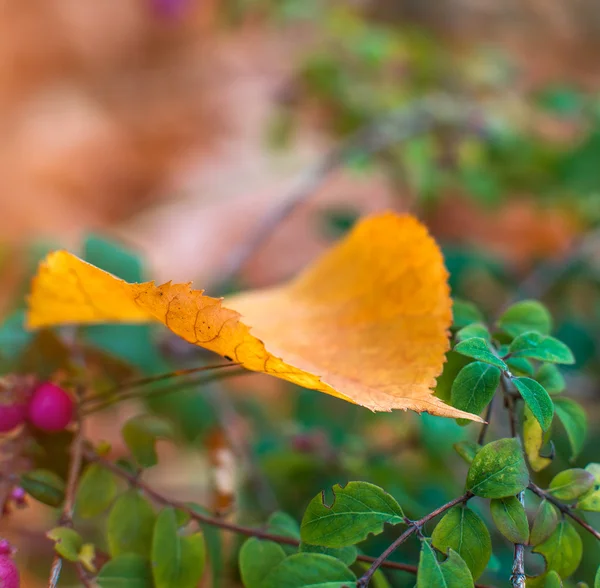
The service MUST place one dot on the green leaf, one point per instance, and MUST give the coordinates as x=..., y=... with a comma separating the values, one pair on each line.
x=130, y=525
x=498, y=470
x=461, y=530
x=591, y=500
x=479, y=349
x=597, y=579
x=257, y=558
x=519, y=366
x=214, y=546
x=346, y=555
x=378, y=580
x=67, y=542
x=451, y=573
x=525, y=316
x=541, y=347
x=544, y=523
x=537, y=399
x=97, y=489
x=550, y=378
x=510, y=518
x=176, y=561
x=281, y=523
x=552, y=580
x=140, y=434
x=562, y=550
x=533, y=440
x=571, y=484
x=359, y=508
x=126, y=571
x=573, y=418
x=473, y=330
x=467, y=450
x=474, y=387
x=310, y=570
x=45, y=486
x=465, y=313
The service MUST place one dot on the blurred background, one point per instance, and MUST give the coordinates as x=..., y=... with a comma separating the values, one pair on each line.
x=154, y=136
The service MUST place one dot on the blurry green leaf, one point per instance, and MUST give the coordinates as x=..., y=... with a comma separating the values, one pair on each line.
x=473, y=330
x=463, y=531
x=553, y=580
x=346, y=554
x=541, y=347
x=519, y=366
x=455, y=362
x=597, y=579
x=358, y=509
x=465, y=313
x=571, y=484
x=562, y=100
x=479, y=349
x=498, y=470
x=87, y=557
x=451, y=573
x=574, y=420
x=14, y=339
x=140, y=434
x=474, y=387
x=467, y=450
x=544, y=523
x=67, y=542
x=281, y=523
x=550, y=378
x=214, y=546
x=304, y=570
x=562, y=550
x=45, y=486
x=176, y=561
x=130, y=525
x=510, y=518
x=537, y=399
x=257, y=558
x=130, y=571
x=533, y=440
x=591, y=500
x=96, y=490
x=528, y=315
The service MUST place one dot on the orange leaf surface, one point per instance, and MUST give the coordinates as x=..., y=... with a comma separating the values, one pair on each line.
x=367, y=322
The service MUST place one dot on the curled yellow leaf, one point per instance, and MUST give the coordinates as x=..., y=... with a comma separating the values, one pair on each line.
x=367, y=322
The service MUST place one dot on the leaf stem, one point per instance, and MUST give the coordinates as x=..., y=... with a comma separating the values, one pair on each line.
x=565, y=509
x=486, y=424
x=414, y=527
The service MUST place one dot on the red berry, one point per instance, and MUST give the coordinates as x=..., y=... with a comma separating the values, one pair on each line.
x=9, y=573
x=50, y=407
x=11, y=416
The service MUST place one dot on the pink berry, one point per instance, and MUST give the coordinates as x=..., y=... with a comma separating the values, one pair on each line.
x=50, y=407
x=9, y=573
x=11, y=416
x=18, y=495
x=5, y=547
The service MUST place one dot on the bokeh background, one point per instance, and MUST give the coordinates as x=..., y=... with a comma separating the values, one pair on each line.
x=172, y=128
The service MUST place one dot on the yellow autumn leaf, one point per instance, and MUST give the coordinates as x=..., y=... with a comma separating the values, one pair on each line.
x=367, y=322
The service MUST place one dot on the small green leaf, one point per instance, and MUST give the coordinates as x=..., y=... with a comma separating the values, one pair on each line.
x=67, y=542
x=473, y=330
x=451, y=573
x=346, y=555
x=130, y=525
x=45, y=486
x=533, y=440
x=562, y=550
x=97, y=489
x=544, y=523
x=519, y=366
x=467, y=450
x=537, y=399
x=541, y=347
x=498, y=470
x=510, y=518
x=359, y=508
x=140, y=434
x=552, y=580
x=281, y=523
x=214, y=546
x=474, y=387
x=528, y=315
x=590, y=501
x=479, y=349
x=571, y=484
x=176, y=561
x=310, y=570
x=573, y=418
x=461, y=530
x=550, y=378
x=126, y=571
x=257, y=558
x=597, y=579
x=465, y=313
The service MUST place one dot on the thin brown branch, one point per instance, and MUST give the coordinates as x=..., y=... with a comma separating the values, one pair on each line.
x=135, y=482
x=565, y=509
x=414, y=527
x=518, y=577
x=486, y=424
